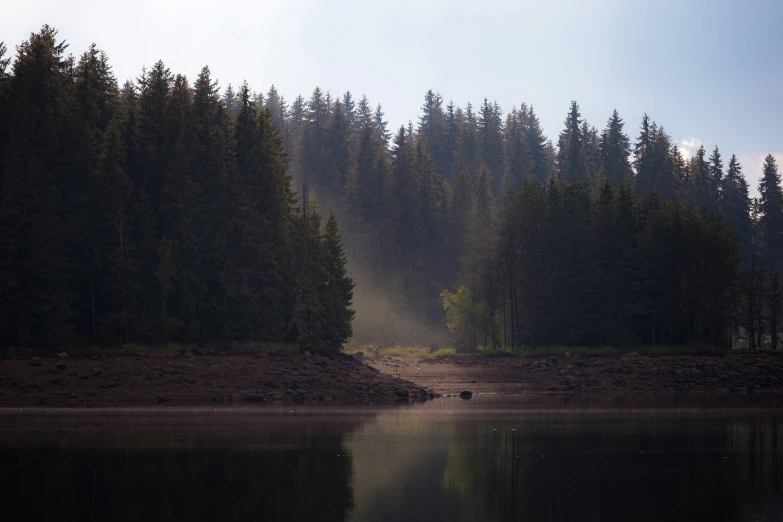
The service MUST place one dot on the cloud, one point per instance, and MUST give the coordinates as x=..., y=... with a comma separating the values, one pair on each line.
x=689, y=146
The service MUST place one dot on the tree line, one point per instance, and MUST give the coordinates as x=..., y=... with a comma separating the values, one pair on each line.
x=152, y=212
x=522, y=239
x=599, y=239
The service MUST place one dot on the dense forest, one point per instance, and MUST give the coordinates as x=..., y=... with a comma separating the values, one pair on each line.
x=153, y=212
x=160, y=210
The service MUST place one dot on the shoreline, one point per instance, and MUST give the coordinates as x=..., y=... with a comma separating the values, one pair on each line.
x=128, y=381
x=188, y=380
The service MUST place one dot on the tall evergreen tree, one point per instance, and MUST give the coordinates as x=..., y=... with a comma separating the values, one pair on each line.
x=771, y=212
x=569, y=146
x=735, y=202
x=615, y=150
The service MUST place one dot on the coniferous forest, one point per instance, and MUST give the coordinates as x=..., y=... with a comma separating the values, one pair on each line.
x=165, y=209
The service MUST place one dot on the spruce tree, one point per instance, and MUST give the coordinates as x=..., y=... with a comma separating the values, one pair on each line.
x=37, y=260
x=381, y=126
x=735, y=202
x=569, y=146
x=337, y=293
x=702, y=182
x=539, y=148
x=520, y=165
x=615, y=149
x=771, y=213
x=716, y=172
x=490, y=139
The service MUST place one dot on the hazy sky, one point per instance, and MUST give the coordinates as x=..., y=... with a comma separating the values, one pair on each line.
x=709, y=71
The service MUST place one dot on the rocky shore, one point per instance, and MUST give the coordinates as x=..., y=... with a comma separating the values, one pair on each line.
x=191, y=379
x=62, y=381
x=567, y=374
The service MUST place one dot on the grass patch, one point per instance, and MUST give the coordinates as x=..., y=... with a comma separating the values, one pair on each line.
x=413, y=352
x=616, y=351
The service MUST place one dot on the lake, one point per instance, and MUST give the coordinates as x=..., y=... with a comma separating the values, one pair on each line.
x=485, y=459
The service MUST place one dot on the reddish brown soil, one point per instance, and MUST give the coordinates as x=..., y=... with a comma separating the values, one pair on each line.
x=202, y=380
x=595, y=375
x=197, y=380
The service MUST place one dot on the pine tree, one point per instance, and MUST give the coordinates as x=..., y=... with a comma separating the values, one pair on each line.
x=716, y=173
x=569, y=146
x=589, y=156
x=702, y=181
x=490, y=139
x=182, y=220
x=277, y=107
x=468, y=151
x=520, y=165
x=432, y=130
x=537, y=142
x=771, y=213
x=230, y=100
x=615, y=149
x=37, y=262
x=380, y=126
x=735, y=202
x=363, y=113
x=463, y=205
x=773, y=307
x=644, y=179
x=350, y=109
x=452, y=124
x=337, y=293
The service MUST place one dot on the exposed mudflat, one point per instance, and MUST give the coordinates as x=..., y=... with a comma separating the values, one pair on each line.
x=198, y=380
x=594, y=375
x=306, y=378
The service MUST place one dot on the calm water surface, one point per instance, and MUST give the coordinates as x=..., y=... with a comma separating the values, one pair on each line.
x=484, y=459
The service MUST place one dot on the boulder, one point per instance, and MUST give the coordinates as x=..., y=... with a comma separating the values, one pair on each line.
x=160, y=398
x=402, y=393
x=359, y=356
x=62, y=355
x=466, y=394
x=36, y=361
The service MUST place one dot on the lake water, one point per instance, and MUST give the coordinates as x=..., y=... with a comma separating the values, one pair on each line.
x=452, y=460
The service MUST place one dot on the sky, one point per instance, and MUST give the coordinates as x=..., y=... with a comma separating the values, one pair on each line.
x=709, y=71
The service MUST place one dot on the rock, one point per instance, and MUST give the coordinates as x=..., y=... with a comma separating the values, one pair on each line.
x=62, y=355
x=36, y=361
x=402, y=393
x=188, y=354
x=252, y=397
x=61, y=366
x=160, y=398
x=695, y=373
x=96, y=372
x=359, y=356
x=289, y=391
x=466, y=394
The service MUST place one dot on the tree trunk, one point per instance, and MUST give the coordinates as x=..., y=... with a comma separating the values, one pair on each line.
x=92, y=296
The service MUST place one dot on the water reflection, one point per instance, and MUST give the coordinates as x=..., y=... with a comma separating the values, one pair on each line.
x=446, y=460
